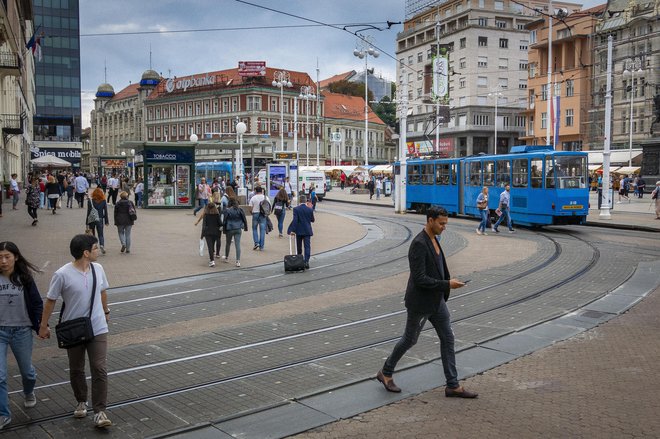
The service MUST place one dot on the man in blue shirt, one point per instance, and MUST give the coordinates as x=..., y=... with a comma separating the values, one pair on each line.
x=504, y=207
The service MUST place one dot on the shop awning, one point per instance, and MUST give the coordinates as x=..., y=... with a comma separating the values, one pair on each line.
x=382, y=169
x=592, y=168
x=619, y=157
x=628, y=170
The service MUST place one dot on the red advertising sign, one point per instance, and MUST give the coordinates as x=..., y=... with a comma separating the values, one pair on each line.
x=252, y=68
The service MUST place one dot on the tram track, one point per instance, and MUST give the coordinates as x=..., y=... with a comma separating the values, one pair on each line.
x=336, y=353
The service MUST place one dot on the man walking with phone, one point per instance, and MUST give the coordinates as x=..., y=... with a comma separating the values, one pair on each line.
x=426, y=298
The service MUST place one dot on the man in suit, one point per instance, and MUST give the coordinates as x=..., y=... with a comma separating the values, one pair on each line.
x=426, y=298
x=301, y=226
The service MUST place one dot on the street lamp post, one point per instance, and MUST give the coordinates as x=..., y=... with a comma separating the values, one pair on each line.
x=366, y=50
x=632, y=66
x=307, y=93
x=282, y=79
x=241, y=128
x=132, y=165
x=496, y=95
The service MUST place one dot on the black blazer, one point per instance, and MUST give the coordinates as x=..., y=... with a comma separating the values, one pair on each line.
x=428, y=281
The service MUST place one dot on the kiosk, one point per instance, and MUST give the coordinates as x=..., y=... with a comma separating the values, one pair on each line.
x=167, y=171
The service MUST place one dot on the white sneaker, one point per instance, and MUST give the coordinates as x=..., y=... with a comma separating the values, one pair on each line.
x=238, y=263
x=484, y=233
x=81, y=410
x=224, y=258
x=211, y=263
x=4, y=421
x=478, y=232
x=101, y=420
x=30, y=401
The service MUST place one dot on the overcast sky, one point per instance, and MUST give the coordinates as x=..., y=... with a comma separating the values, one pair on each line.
x=185, y=53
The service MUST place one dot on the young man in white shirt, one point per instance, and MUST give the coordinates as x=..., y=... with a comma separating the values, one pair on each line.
x=13, y=184
x=73, y=283
x=258, y=220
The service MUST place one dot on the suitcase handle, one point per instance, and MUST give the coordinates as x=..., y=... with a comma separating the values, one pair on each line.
x=291, y=246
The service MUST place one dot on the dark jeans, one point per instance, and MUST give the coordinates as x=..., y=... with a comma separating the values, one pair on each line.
x=80, y=197
x=414, y=324
x=211, y=242
x=112, y=194
x=32, y=211
x=97, y=229
x=300, y=240
x=96, y=350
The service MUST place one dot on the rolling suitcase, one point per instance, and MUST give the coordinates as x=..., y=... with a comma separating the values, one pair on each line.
x=293, y=262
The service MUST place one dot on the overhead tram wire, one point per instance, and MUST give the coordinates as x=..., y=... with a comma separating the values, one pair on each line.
x=223, y=29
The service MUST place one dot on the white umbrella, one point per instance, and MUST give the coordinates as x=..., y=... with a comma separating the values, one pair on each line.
x=50, y=160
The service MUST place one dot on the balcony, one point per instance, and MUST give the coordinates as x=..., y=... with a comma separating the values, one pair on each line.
x=11, y=123
x=10, y=64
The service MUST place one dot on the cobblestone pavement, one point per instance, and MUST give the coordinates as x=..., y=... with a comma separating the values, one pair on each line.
x=602, y=383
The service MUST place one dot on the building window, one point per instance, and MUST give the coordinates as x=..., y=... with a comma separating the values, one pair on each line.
x=522, y=84
x=482, y=81
x=461, y=83
x=569, y=117
x=544, y=120
x=254, y=103
x=504, y=64
x=285, y=106
x=206, y=107
x=532, y=37
x=198, y=109
x=522, y=65
x=480, y=119
x=234, y=104
x=215, y=106
x=410, y=59
x=524, y=45
x=503, y=83
x=482, y=61
x=189, y=110
x=420, y=57
x=462, y=63
x=483, y=21
x=501, y=24
x=498, y=5
x=483, y=42
x=462, y=43
x=569, y=87
x=544, y=92
x=504, y=43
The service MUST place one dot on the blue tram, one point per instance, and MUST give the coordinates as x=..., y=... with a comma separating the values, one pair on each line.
x=547, y=186
x=211, y=170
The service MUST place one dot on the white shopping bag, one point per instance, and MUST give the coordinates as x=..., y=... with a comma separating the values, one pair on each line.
x=201, y=247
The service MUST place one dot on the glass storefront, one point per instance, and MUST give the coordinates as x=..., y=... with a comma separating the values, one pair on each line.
x=167, y=174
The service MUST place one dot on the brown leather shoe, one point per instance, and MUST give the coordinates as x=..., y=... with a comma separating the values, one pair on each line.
x=459, y=392
x=388, y=383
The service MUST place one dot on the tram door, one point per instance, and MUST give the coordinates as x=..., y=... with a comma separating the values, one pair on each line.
x=462, y=168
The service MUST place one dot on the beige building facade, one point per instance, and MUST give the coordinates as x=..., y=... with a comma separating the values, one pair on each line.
x=17, y=88
x=487, y=44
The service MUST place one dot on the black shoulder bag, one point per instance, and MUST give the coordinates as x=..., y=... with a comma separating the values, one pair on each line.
x=74, y=332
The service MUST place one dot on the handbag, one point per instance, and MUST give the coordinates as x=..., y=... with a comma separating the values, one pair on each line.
x=482, y=205
x=93, y=216
x=131, y=211
x=74, y=332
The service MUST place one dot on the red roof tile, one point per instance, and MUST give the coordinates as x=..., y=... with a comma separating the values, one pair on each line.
x=339, y=106
x=340, y=77
x=127, y=92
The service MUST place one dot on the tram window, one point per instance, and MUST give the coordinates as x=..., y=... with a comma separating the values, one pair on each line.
x=454, y=173
x=442, y=174
x=549, y=174
x=414, y=174
x=475, y=174
x=571, y=172
x=537, y=178
x=427, y=174
x=503, y=173
x=520, y=173
x=489, y=173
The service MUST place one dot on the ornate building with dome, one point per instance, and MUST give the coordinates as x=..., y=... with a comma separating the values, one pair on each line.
x=118, y=117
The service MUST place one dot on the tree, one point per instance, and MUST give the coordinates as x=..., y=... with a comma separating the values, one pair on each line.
x=386, y=110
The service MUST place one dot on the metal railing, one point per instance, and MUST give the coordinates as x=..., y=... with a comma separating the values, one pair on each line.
x=9, y=60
